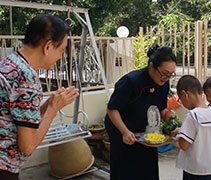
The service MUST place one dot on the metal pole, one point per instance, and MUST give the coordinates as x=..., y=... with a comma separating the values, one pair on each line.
x=69, y=47
x=97, y=54
x=80, y=69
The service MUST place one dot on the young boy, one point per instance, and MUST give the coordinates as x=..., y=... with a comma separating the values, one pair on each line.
x=194, y=136
x=207, y=90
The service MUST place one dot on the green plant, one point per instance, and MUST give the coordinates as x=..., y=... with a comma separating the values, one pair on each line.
x=96, y=126
x=141, y=46
x=171, y=125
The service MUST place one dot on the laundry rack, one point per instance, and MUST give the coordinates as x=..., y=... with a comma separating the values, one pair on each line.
x=61, y=132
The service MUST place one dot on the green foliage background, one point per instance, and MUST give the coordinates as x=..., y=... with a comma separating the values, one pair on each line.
x=107, y=15
x=141, y=46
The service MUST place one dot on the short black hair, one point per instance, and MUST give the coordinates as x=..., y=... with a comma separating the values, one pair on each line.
x=189, y=83
x=207, y=84
x=159, y=54
x=46, y=27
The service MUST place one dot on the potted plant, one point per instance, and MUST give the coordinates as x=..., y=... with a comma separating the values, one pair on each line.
x=97, y=130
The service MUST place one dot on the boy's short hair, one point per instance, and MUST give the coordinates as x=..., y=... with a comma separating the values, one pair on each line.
x=207, y=84
x=189, y=83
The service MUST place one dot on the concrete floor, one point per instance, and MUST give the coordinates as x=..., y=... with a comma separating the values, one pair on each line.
x=166, y=163
x=43, y=173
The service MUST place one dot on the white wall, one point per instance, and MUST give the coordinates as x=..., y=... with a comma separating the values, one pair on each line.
x=121, y=48
x=180, y=112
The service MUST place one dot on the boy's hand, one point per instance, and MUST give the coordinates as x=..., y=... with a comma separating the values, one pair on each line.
x=175, y=132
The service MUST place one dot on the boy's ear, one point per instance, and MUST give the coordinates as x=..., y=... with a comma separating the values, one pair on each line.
x=184, y=93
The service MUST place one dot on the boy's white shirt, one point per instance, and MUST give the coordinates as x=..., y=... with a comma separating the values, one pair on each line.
x=196, y=129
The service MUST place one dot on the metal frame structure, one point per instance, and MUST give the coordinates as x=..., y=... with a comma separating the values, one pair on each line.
x=86, y=27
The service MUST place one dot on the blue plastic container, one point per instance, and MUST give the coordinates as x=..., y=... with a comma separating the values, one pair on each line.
x=164, y=148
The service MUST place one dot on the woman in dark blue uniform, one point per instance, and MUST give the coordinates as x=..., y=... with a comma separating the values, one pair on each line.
x=127, y=109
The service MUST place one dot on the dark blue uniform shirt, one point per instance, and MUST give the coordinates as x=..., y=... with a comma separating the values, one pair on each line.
x=134, y=93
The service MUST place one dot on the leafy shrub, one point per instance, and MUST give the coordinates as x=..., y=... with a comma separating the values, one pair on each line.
x=141, y=46
x=171, y=125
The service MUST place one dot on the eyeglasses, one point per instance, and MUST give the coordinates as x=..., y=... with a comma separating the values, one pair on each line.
x=165, y=76
x=179, y=99
x=180, y=96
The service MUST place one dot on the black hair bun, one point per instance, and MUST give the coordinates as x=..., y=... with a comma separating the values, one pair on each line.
x=152, y=49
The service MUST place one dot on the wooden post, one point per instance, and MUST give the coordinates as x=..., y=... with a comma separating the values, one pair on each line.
x=11, y=25
x=170, y=34
x=147, y=36
x=3, y=48
x=124, y=49
x=111, y=62
x=163, y=35
x=141, y=31
x=151, y=35
x=175, y=39
x=158, y=35
x=198, y=50
x=183, y=53
x=68, y=2
x=205, y=48
x=131, y=54
x=188, y=48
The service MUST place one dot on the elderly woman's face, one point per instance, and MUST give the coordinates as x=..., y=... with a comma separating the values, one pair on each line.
x=55, y=54
x=164, y=72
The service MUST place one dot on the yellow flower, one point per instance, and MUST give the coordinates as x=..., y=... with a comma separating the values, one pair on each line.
x=155, y=137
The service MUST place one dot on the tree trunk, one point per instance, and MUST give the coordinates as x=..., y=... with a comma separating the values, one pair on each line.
x=68, y=2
